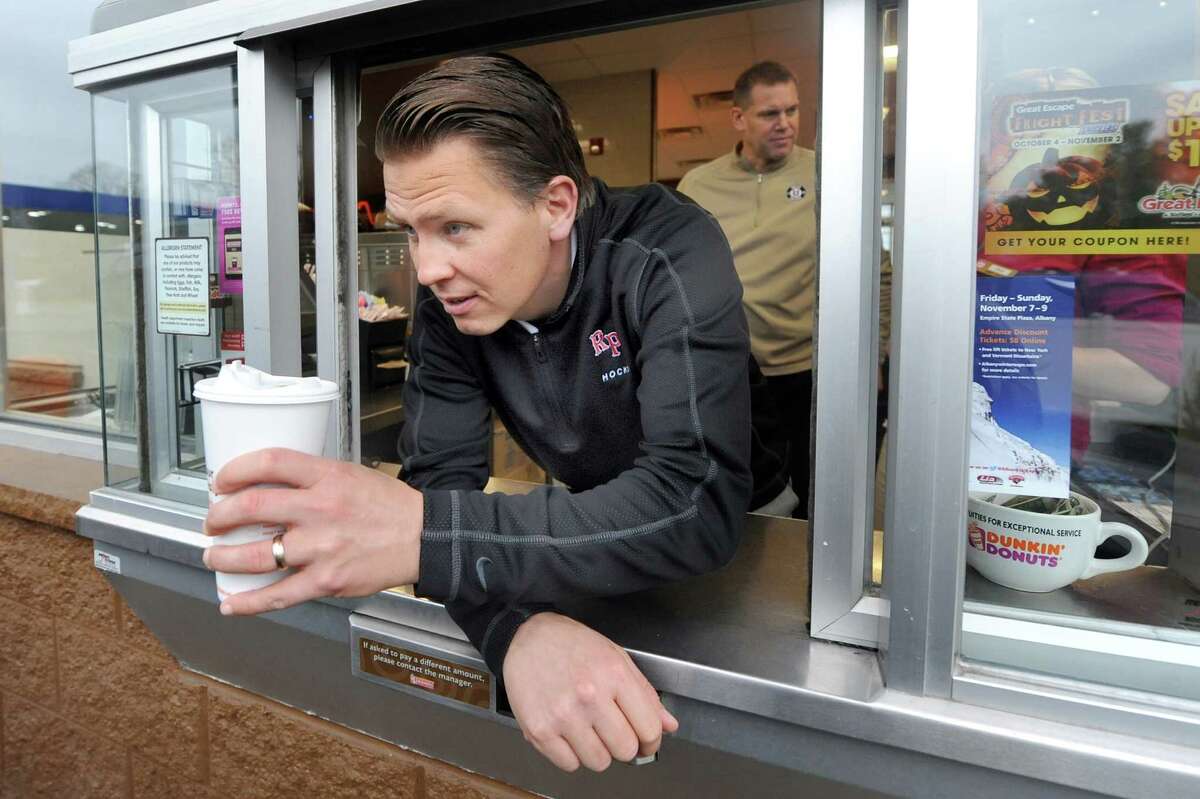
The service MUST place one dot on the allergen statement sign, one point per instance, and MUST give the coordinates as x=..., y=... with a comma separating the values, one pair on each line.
x=181, y=279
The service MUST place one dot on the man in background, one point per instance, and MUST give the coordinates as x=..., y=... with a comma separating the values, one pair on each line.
x=763, y=194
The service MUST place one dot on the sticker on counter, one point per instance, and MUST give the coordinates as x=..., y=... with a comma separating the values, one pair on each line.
x=417, y=670
x=181, y=284
x=106, y=562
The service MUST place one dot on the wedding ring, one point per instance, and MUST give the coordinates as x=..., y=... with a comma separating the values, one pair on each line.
x=277, y=551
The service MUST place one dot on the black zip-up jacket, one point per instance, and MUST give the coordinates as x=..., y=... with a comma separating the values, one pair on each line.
x=634, y=393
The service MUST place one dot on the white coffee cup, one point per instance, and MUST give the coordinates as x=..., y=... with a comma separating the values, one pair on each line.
x=244, y=410
x=1040, y=552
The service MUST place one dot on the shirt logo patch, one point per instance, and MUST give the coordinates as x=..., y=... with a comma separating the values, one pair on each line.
x=796, y=192
x=605, y=342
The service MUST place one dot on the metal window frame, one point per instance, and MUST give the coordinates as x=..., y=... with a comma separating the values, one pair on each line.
x=842, y=607
x=155, y=63
x=931, y=352
x=271, y=77
x=335, y=175
x=1070, y=671
x=270, y=227
x=159, y=427
x=161, y=417
x=1095, y=690
x=266, y=78
x=220, y=19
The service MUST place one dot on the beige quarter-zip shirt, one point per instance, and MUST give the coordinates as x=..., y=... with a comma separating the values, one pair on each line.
x=770, y=221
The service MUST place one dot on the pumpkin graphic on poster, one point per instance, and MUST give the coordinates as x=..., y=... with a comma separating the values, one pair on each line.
x=1091, y=170
x=1073, y=191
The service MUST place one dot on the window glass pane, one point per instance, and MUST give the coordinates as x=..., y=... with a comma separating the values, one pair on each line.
x=49, y=367
x=169, y=148
x=118, y=205
x=889, y=62
x=308, y=246
x=202, y=187
x=1085, y=435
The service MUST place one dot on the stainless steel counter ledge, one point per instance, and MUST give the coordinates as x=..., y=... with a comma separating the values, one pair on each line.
x=729, y=651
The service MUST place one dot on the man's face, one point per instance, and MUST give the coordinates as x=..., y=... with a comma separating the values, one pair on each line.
x=483, y=252
x=768, y=125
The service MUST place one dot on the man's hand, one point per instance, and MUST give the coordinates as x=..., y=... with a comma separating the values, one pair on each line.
x=351, y=531
x=578, y=697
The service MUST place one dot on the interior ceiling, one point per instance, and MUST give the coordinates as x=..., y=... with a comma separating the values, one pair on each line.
x=692, y=57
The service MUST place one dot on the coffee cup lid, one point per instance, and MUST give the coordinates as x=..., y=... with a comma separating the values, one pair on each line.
x=239, y=383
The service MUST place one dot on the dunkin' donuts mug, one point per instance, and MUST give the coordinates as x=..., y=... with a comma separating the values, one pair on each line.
x=245, y=410
x=1040, y=551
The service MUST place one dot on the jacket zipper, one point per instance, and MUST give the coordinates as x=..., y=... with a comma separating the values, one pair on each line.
x=758, y=200
x=546, y=383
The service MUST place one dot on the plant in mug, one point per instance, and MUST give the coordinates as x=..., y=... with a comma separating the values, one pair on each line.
x=1053, y=506
x=1039, y=544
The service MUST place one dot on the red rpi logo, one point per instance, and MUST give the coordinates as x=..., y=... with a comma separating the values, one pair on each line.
x=605, y=342
x=1016, y=479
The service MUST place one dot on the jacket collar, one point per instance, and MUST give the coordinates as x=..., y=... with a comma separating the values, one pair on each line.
x=583, y=235
x=745, y=165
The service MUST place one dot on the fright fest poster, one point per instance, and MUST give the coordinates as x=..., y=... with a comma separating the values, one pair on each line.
x=1096, y=189
x=1094, y=171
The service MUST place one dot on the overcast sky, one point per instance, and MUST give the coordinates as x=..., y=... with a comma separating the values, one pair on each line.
x=44, y=127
